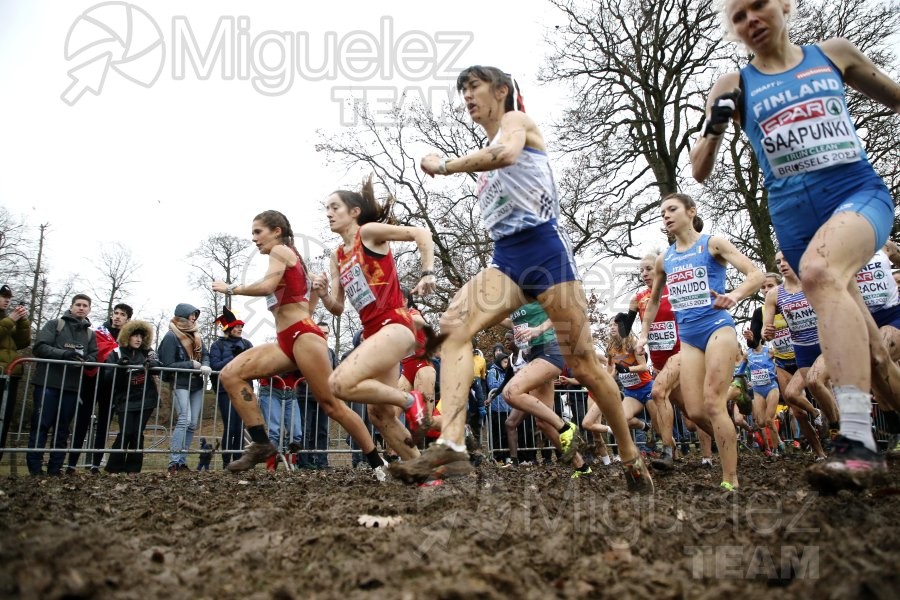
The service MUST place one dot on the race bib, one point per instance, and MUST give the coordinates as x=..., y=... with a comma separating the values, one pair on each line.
x=518, y=330
x=688, y=288
x=782, y=341
x=629, y=380
x=809, y=135
x=760, y=377
x=799, y=315
x=662, y=336
x=271, y=301
x=876, y=285
x=495, y=206
x=356, y=288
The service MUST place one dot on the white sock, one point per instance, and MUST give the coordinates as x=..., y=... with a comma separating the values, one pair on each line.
x=606, y=460
x=856, y=409
x=451, y=445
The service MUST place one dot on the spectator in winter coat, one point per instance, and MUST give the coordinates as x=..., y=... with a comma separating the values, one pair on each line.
x=15, y=335
x=96, y=398
x=222, y=352
x=57, y=385
x=134, y=391
x=182, y=348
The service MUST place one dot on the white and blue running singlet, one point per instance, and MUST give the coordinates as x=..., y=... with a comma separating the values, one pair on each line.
x=518, y=197
x=800, y=317
x=876, y=283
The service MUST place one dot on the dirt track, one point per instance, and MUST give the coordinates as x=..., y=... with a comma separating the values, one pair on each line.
x=528, y=532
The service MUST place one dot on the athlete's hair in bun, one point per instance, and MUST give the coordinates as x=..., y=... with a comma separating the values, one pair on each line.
x=688, y=204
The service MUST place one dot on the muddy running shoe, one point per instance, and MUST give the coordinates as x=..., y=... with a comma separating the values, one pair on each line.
x=666, y=461
x=818, y=422
x=570, y=441
x=437, y=462
x=637, y=477
x=415, y=414
x=851, y=466
x=727, y=487
x=253, y=454
x=381, y=471
x=272, y=463
x=706, y=463
x=582, y=472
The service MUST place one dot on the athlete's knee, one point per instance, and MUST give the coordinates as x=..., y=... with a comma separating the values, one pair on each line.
x=339, y=385
x=817, y=275
x=230, y=378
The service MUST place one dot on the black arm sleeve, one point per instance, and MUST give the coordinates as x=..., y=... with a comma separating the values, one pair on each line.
x=756, y=325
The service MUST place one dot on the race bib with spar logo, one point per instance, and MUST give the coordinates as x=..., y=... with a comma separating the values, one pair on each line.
x=760, y=377
x=810, y=135
x=518, y=330
x=799, y=315
x=876, y=284
x=782, y=341
x=662, y=336
x=688, y=288
x=356, y=288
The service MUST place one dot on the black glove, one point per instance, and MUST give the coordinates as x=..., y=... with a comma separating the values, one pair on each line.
x=151, y=363
x=722, y=110
x=124, y=361
x=237, y=350
x=72, y=355
x=622, y=369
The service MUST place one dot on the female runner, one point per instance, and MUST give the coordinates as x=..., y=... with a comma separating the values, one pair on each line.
x=363, y=271
x=532, y=261
x=300, y=344
x=693, y=268
x=830, y=209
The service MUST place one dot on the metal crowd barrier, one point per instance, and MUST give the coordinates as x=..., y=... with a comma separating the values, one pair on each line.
x=317, y=442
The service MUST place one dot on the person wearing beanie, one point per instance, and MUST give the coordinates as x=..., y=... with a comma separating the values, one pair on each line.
x=182, y=348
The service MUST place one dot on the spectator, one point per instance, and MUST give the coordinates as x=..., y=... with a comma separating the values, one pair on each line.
x=15, y=335
x=206, y=454
x=314, y=419
x=56, y=386
x=96, y=398
x=278, y=404
x=182, y=348
x=222, y=352
x=134, y=393
x=477, y=398
x=496, y=377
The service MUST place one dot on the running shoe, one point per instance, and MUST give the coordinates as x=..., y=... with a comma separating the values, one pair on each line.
x=380, y=474
x=437, y=462
x=415, y=414
x=706, y=463
x=796, y=444
x=851, y=466
x=666, y=461
x=637, y=477
x=570, y=441
x=579, y=473
x=818, y=421
x=253, y=454
x=272, y=463
x=727, y=487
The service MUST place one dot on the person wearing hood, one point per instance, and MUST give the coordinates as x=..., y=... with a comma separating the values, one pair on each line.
x=96, y=398
x=222, y=352
x=182, y=348
x=15, y=335
x=134, y=393
x=57, y=385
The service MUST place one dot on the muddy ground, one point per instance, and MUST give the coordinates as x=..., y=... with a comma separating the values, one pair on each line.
x=525, y=532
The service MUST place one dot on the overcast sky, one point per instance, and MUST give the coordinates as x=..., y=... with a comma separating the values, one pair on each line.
x=162, y=157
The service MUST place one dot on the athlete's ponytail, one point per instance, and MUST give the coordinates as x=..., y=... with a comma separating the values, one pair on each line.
x=496, y=78
x=370, y=210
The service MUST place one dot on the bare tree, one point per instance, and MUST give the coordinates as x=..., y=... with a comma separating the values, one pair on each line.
x=221, y=257
x=116, y=269
x=447, y=207
x=638, y=71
